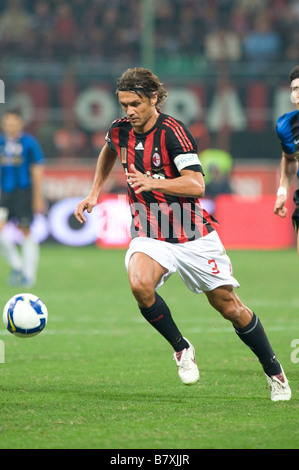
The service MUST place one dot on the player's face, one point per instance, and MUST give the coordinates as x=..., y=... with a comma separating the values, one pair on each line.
x=140, y=110
x=12, y=125
x=295, y=92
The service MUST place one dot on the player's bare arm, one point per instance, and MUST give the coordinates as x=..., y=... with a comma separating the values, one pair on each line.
x=288, y=170
x=189, y=184
x=37, y=175
x=105, y=163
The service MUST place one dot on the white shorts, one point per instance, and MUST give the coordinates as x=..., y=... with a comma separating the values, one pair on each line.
x=202, y=264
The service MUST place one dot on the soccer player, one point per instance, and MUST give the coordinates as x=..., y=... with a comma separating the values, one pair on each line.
x=171, y=232
x=21, y=166
x=287, y=128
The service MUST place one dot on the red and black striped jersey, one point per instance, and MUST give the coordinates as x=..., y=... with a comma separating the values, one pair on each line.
x=162, y=152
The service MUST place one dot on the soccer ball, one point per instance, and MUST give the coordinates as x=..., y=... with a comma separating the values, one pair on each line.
x=25, y=315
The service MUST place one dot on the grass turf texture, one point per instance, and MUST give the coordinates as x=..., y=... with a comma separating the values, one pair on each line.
x=100, y=377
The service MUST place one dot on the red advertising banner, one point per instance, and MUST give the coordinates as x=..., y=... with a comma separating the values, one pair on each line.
x=255, y=180
x=246, y=218
x=250, y=223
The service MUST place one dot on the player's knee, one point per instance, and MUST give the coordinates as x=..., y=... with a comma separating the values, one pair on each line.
x=238, y=315
x=141, y=288
x=25, y=230
x=230, y=312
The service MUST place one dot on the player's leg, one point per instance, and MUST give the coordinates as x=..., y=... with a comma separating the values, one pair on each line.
x=250, y=330
x=247, y=326
x=29, y=246
x=8, y=247
x=144, y=275
x=225, y=300
x=10, y=253
x=30, y=258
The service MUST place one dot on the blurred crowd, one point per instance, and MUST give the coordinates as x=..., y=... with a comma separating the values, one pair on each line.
x=255, y=31
x=249, y=34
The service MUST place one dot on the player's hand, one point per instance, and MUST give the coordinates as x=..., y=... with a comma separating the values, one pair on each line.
x=279, y=207
x=39, y=205
x=86, y=205
x=138, y=181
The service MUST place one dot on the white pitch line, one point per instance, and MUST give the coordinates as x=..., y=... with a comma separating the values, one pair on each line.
x=121, y=332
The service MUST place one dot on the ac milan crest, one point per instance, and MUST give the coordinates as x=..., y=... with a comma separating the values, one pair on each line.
x=156, y=159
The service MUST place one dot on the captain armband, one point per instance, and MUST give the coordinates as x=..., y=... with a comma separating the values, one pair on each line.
x=187, y=159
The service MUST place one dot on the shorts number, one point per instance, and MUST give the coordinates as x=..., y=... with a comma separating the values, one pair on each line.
x=215, y=269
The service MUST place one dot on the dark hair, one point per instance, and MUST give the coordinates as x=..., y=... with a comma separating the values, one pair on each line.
x=14, y=111
x=294, y=73
x=142, y=82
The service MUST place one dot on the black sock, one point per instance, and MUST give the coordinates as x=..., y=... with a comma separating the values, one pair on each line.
x=254, y=336
x=159, y=316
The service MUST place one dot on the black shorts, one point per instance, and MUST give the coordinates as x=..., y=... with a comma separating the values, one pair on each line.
x=295, y=216
x=18, y=203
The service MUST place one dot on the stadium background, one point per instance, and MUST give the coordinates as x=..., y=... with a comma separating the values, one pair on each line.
x=225, y=64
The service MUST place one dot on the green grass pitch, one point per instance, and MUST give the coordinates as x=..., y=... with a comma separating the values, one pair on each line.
x=100, y=377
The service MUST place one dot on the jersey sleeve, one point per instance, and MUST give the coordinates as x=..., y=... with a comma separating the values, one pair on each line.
x=110, y=141
x=112, y=132
x=284, y=135
x=181, y=146
x=36, y=152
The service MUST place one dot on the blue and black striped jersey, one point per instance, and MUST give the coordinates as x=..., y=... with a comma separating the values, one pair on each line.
x=16, y=158
x=287, y=128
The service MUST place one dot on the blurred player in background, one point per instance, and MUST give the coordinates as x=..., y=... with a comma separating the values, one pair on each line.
x=159, y=156
x=21, y=166
x=287, y=128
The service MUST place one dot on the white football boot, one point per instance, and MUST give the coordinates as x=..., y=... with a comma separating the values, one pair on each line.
x=279, y=387
x=187, y=368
